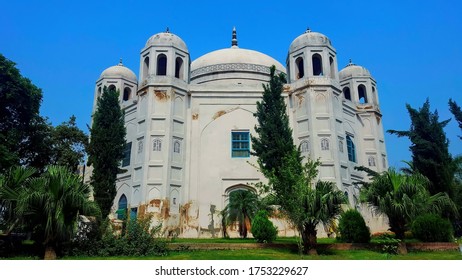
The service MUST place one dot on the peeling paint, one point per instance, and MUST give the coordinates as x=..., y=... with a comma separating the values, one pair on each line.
x=161, y=95
x=219, y=114
x=300, y=100
x=223, y=112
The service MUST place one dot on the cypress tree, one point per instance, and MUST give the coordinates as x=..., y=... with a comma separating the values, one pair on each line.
x=430, y=152
x=274, y=140
x=457, y=112
x=107, y=143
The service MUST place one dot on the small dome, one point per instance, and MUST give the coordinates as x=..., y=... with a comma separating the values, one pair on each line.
x=353, y=70
x=236, y=55
x=309, y=38
x=166, y=39
x=118, y=71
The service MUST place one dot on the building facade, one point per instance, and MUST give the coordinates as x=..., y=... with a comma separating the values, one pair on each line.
x=189, y=126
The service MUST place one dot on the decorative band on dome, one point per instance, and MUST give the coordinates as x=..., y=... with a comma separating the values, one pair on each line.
x=231, y=67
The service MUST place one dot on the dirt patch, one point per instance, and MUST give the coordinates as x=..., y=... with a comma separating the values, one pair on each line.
x=161, y=95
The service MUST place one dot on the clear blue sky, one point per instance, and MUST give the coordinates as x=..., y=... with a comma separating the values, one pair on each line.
x=412, y=48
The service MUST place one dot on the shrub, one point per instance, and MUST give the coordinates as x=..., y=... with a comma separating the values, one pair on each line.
x=263, y=229
x=136, y=239
x=352, y=228
x=388, y=243
x=432, y=228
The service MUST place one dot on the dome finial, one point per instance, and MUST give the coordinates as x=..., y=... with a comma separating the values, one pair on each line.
x=120, y=62
x=308, y=30
x=167, y=30
x=350, y=63
x=234, y=40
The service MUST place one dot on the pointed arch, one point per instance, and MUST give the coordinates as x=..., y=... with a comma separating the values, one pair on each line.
x=316, y=60
x=299, y=65
x=161, y=65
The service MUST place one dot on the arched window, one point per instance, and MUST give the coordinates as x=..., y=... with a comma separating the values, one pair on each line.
x=157, y=145
x=340, y=146
x=162, y=65
x=346, y=93
x=146, y=67
x=317, y=65
x=300, y=68
x=112, y=88
x=304, y=147
x=99, y=92
x=324, y=144
x=351, y=149
x=177, y=147
x=122, y=208
x=179, y=68
x=371, y=161
x=374, y=95
x=332, y=68
x=362, y=96
x=127, y=92
x=384, y=161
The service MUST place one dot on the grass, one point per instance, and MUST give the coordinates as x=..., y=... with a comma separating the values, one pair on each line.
x=282, y=254
x=279, y=240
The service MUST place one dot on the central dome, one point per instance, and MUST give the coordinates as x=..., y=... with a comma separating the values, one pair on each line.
x=233, y=63
x=235, y=55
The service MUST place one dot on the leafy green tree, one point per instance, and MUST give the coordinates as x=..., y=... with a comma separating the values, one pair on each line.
x=306, y=204
x=402, y=197
x=241, y=208
x=274, y=139
x=68, y=144
x=22, y=137
x=457, y=112
x=430, y=154
x=107, y=143
x=290, y=181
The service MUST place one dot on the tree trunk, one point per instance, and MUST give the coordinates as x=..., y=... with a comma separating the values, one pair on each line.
x=50, y=253
x=402, y=248
x=309, y=240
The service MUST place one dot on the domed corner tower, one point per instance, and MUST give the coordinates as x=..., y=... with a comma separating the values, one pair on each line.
x=316, y=101
x=360, y=97
x=311, y=55
x=120, y=78
x=160, y=132
x=165, y=57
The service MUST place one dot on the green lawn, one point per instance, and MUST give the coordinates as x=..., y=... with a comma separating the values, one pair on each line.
x=282, y=254
x=280, y=240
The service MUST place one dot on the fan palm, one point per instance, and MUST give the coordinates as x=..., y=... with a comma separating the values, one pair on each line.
x=11, y=184
x=242, y=207
x=401, y=197
x=321, y=204
x=51, y=205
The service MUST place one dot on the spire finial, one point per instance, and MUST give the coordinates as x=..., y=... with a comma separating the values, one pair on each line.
x=234, y=40
x=351, y=63
x=167, y=30
x=120, y=62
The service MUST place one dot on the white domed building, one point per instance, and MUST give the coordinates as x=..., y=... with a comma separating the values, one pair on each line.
x=189, y=125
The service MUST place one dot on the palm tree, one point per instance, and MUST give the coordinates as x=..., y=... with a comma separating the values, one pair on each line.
x=401, y=197
x=306, y=204
x=242, y=207
x=11, y=184
x=321, y=204
x=51, y=205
